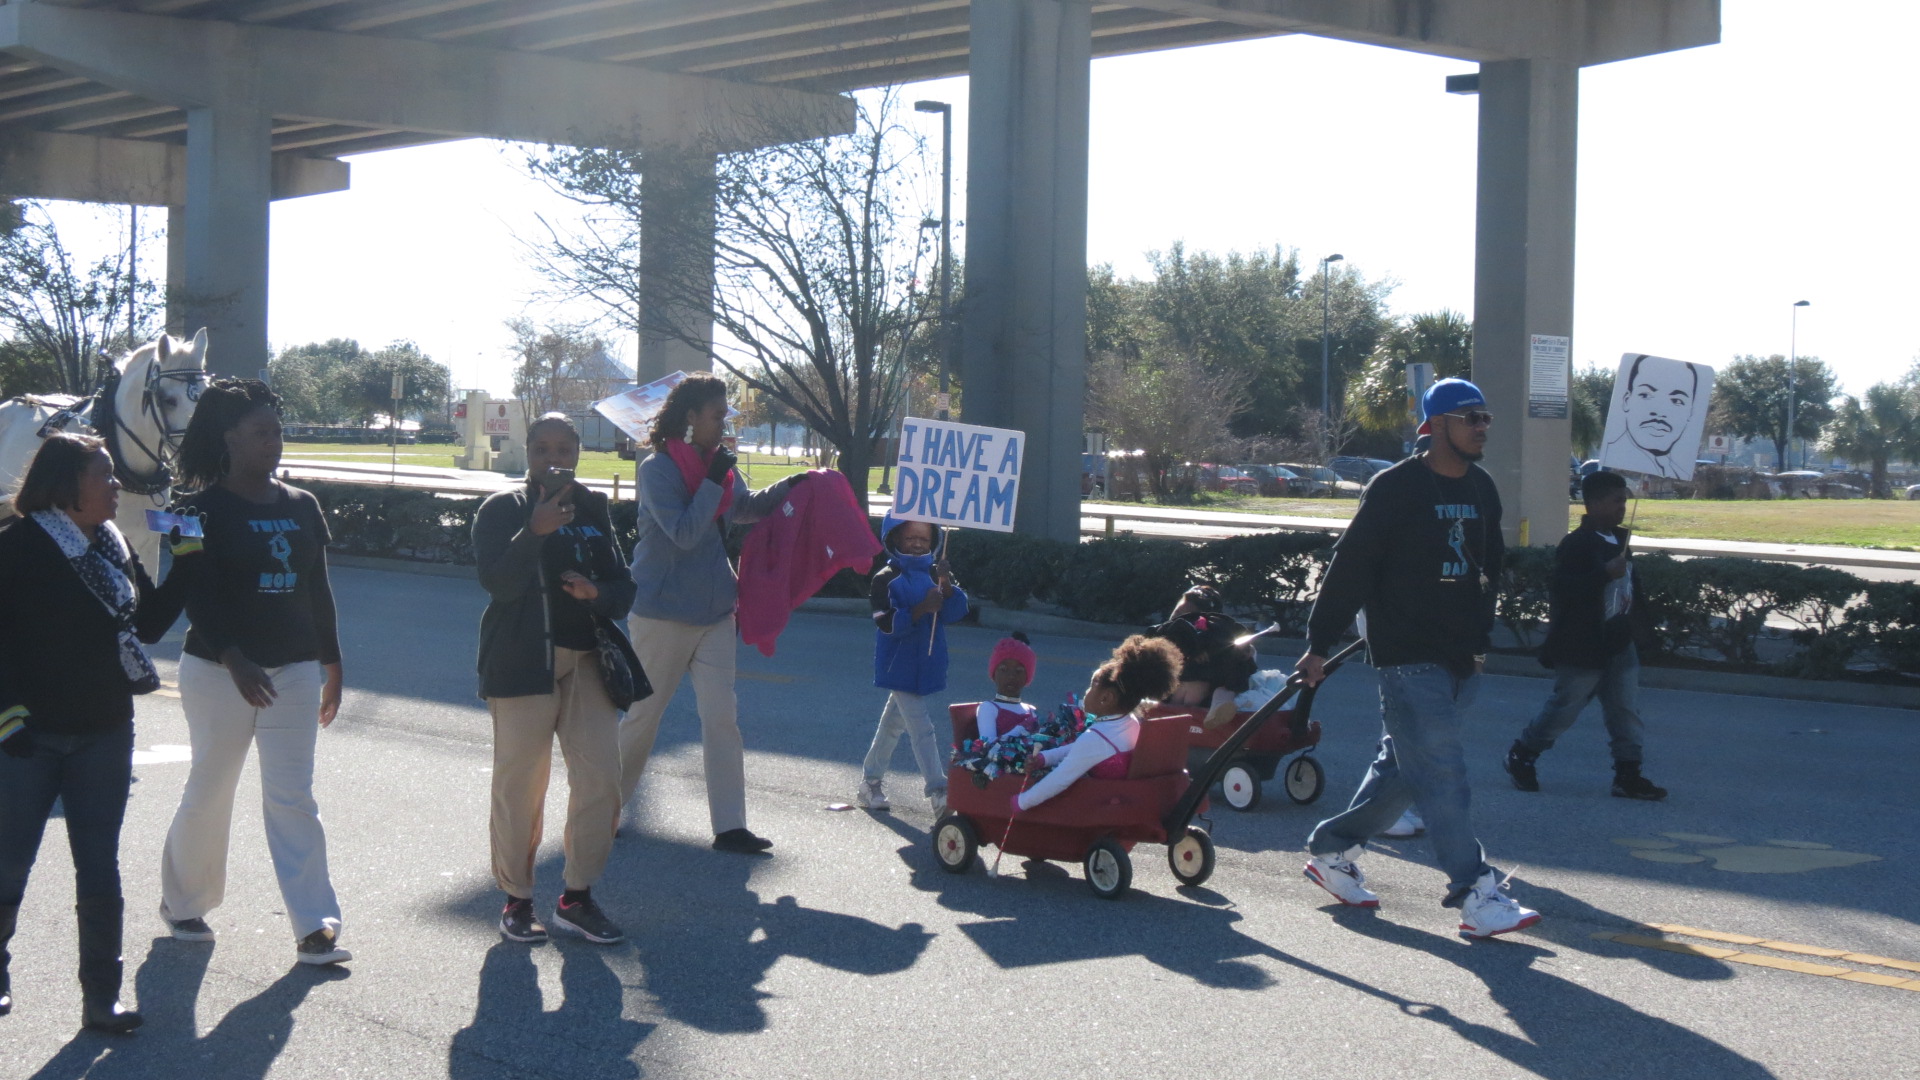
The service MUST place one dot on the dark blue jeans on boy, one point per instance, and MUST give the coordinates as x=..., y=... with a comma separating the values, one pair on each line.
x=89, y=775
x=1617, y=686
x=1420, y=761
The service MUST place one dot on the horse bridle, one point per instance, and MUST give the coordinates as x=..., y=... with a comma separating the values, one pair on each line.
x=161, y=478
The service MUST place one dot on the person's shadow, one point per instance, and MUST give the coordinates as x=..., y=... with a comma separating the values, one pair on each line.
x=242, y=1046
x=511, y=1032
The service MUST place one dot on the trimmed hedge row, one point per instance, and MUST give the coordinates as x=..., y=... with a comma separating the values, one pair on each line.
x=1699, y=609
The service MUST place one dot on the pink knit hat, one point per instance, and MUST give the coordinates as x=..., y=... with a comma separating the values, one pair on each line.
x=1013, y=648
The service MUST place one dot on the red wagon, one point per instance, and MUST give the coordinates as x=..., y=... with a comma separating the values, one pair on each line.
x=1290, y=731
x=1094, y=822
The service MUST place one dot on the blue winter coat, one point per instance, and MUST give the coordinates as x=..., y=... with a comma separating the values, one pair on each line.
x=911, y=654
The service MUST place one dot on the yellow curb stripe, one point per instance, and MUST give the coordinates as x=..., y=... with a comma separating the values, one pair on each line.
x=1881, y=961
x=1710, y=935
x=1780, y=963
x=1804, y=950
x=1785, y=946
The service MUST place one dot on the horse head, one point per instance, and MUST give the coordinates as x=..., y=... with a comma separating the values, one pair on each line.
x=168, y=376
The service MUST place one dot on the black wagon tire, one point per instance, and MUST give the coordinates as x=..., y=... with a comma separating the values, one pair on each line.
x=1239, y=787
x=955, y=843
x=1191, y=857
x=1109, y=869
x=1304, y=779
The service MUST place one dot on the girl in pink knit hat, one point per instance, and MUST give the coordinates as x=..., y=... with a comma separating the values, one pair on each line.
x=1011, y=668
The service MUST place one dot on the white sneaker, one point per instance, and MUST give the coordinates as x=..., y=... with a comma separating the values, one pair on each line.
x=938, y=800
x=1488, y=911
x=1339, y=875
x=1409, y=825
x=871, y=797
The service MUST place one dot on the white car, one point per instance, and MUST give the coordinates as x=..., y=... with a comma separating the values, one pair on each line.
x=1913, y=492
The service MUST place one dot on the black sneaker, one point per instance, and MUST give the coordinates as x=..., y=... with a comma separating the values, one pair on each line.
x=519, y=923
x=186, y=929
x=741, y=841
x=321, y=947
x=585, y=918
x=1519, y=765
x=1629, y=784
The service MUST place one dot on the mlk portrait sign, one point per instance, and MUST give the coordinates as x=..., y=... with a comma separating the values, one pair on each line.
x=1657, y=416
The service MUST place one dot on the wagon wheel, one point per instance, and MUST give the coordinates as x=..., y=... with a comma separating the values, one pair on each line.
x=1305, y=779
x=1240, y=787
x=1109, y=870
x=955, y=843
x=1191, y=857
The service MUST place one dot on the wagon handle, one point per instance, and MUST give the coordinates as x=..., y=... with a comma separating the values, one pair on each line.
x=1182, y=813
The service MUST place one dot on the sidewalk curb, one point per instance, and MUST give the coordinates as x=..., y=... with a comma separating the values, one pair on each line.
x=1657, y=678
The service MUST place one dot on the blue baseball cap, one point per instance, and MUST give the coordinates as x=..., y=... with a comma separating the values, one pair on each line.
x=1449, y=395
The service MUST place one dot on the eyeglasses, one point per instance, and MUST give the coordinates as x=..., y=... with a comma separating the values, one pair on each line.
x=1474, y=417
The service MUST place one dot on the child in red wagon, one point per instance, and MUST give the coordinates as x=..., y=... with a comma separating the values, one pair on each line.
x=1141, y=669
x=1011, y=668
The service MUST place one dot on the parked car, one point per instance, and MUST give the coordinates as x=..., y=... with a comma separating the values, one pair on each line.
x=1913, y=492
x=1357, y=469
x=1275, y=482
x=1228, y=479
x=1315, y=480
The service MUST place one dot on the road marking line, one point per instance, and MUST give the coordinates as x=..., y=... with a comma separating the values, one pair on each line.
x=1781, y=963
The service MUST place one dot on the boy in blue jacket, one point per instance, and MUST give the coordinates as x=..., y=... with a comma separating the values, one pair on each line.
x=914, y=598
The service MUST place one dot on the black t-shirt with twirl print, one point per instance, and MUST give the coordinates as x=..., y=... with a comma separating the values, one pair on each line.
x=261, y=582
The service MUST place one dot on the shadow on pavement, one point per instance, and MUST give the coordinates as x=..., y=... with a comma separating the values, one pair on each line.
x=513, y=1033
x=242, y=1046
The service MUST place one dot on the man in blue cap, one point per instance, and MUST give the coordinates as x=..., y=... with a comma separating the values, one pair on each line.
x=1419, y=563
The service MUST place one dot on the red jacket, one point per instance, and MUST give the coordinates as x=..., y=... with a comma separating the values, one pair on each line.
x=818, y=530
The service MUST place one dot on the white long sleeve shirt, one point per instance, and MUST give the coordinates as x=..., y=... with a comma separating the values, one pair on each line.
x=1103, y=738
x=999, y=718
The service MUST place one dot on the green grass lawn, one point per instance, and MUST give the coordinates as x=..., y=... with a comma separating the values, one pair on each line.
x=1878, y=523
x=1849, y=522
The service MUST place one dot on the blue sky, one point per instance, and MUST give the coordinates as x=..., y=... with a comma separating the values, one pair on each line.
x=1716, y=187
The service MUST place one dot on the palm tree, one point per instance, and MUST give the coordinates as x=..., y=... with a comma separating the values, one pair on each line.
x=1883, y=426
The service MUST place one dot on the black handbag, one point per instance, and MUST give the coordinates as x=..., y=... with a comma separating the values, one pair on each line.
x=620, y=669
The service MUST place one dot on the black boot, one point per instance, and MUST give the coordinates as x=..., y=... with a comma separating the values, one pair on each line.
x=100, y=920
x=1629, y=784
x=8, y=915
x=1519, y=765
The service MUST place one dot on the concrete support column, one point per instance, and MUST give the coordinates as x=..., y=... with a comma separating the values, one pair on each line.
x=1023, y=331
x=1523, y=279
x=223, y=246
x=676, y=263
x=177, y=271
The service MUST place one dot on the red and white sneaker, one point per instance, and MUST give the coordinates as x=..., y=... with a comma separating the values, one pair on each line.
x=1339, y=875
x=1488, y=911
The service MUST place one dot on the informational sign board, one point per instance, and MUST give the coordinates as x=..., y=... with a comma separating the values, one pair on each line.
x=1719, y=444
x=497, y=420
x=634, y=410
x=1658, y=415
x=1549, y=369
x=958, y=474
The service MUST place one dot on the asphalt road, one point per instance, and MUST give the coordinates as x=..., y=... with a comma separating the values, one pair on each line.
x=848, y=953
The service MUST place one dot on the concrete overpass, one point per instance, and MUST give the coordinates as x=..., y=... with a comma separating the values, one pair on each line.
x=215, y=107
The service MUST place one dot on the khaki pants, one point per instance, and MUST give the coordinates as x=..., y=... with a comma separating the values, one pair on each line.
x=579, y=712
x=667, y=651
x=223, y=727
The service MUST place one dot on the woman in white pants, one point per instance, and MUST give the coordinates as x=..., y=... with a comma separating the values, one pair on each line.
x=261, y=666
x=685, y=592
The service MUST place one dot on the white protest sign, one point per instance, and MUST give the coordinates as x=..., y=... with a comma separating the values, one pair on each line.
x=958, y=474
x=634, y=410
x=1657, y=416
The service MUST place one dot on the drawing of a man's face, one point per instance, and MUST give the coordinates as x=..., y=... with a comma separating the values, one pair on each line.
x=1659, y=402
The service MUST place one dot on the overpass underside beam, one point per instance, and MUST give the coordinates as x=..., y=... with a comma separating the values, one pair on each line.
x=1024, y=335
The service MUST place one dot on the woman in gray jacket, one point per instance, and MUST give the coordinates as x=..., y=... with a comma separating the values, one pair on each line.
x=685, y=591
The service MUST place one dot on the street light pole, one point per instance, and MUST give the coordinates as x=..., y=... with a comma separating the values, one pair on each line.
x=946, y=243
x=1326, y=350
x=1793, y=376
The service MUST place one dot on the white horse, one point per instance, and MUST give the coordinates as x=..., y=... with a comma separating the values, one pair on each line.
x=141, y=410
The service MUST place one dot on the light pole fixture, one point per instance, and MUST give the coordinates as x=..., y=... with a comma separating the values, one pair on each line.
x=946, y=244
x=1326, y=342
x=1793, y=376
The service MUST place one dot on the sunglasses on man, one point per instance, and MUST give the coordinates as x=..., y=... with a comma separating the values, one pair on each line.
x=1474, y=417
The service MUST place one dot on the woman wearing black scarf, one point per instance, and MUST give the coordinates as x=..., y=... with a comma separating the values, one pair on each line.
x=73, y=599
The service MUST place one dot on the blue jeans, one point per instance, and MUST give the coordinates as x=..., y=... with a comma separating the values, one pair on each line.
x=1420, y=762
x=89, y=775
x=1618, y=687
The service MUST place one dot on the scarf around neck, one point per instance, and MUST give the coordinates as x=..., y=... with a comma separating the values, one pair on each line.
x=693, y=463
x=102, y=565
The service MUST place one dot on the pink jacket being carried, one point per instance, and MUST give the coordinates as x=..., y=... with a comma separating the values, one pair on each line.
x=816, y=532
